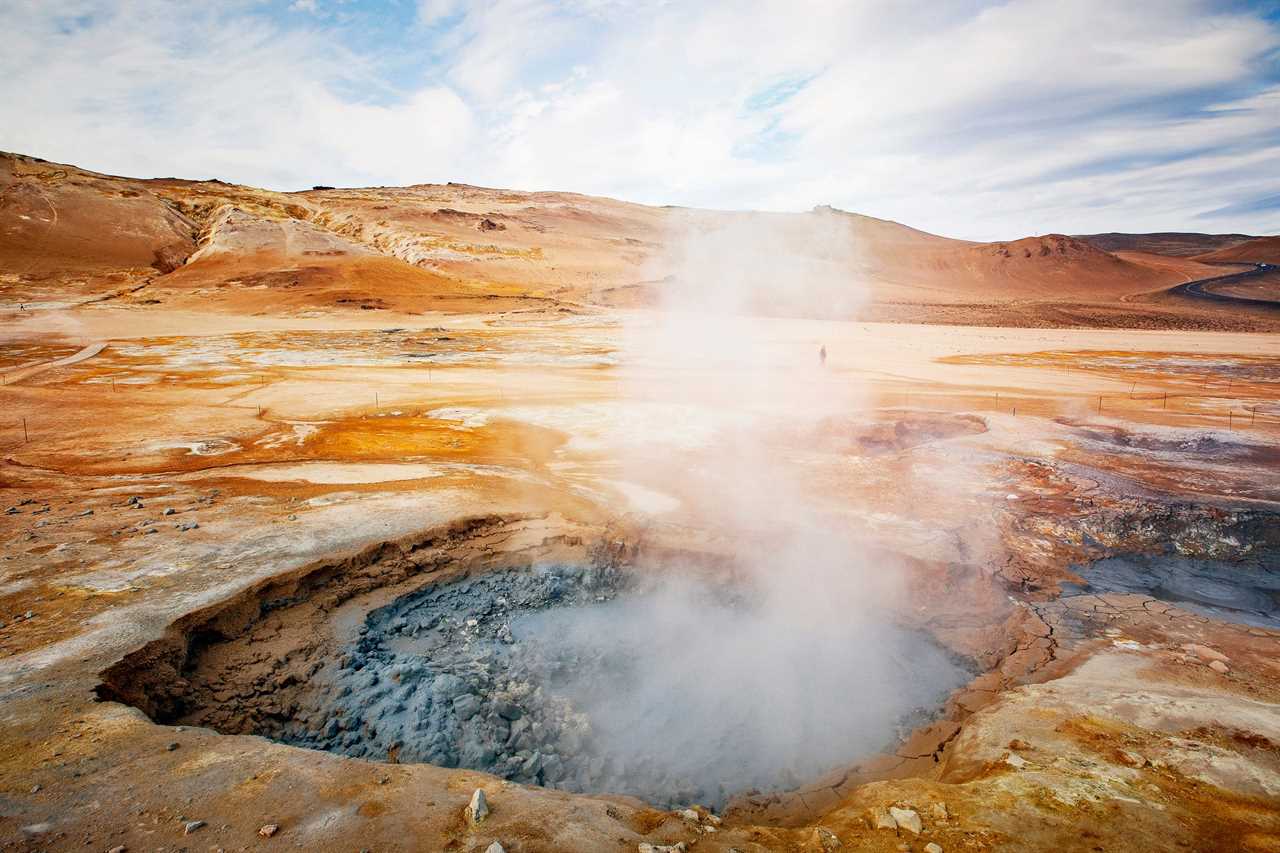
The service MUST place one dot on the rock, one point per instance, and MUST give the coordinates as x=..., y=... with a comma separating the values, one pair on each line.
x=1131, y=758
x=269, y=830
x=85, y=514
x=1204, y=652
x=35, y=789
x=466, y=705
x=938, y=811
x=1015, y=761
x=688, y=814
x=191, y=826
x=478, y=808
x=189, y=525
x=906, y=819
x=662, y=848
x=933, y=847
x=446, y=687
x=826, y=840
x=882, y=819
x=495, y=847
x=168, y=511
x=172, y=746
x=1219, y=667
x=119, y=848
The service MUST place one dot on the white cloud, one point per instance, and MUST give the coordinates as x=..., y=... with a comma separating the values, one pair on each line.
x=971, y=120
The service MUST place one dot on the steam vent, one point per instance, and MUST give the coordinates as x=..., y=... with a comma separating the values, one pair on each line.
x=605, y=427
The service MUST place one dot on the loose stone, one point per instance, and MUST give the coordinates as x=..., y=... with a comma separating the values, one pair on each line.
x=908, y=819
x=478, y=808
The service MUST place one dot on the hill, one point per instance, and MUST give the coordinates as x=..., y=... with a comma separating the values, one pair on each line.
x=69, y=236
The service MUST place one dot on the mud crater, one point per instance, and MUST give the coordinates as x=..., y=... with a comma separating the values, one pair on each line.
x=599, y=679
x=551, y=663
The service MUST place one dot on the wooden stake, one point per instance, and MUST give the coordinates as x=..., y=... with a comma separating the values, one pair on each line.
x=1230, y=419
x=1166, y=400
x=25, y=438
x=1253, y=416
x=1099, y=402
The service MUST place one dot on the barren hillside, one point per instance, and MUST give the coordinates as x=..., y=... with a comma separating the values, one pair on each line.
x=1257, y=250
x=1184, y=244
x=68, y=235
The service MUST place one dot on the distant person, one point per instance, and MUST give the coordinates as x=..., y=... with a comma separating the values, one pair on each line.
x=822, y=355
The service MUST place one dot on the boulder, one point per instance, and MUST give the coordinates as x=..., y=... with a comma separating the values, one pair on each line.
x=907, y=819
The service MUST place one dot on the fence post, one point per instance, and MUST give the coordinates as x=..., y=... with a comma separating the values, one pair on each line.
x=26, y=439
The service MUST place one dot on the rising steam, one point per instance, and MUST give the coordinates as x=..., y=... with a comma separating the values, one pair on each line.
x=708, y=695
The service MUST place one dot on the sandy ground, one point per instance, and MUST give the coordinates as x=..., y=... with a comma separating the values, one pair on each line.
x=283, y=443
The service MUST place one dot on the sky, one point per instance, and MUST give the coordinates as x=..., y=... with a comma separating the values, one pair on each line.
x=970, y=119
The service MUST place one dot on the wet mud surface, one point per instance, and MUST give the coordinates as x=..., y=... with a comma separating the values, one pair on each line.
x=1245, y=591
x=602, y=680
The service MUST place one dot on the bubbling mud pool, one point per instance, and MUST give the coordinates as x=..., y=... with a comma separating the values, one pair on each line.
x=675, y=690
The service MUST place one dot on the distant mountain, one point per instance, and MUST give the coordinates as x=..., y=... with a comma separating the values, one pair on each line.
x=1263, y=250
x=1182, y=244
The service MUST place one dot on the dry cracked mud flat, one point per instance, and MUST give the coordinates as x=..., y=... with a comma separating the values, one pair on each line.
x=324, y=511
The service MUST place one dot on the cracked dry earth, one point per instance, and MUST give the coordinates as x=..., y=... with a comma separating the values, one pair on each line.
x=213, y=495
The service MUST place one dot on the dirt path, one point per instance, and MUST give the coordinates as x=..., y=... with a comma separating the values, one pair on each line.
x=83, y=355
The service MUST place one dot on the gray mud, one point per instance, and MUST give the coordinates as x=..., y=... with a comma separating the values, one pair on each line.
x=595, y=680
x=1244, y=591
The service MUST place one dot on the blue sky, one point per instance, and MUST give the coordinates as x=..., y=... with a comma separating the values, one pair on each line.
x=976, y=120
